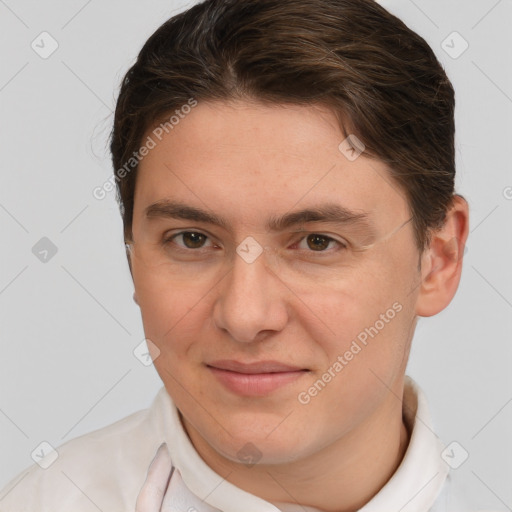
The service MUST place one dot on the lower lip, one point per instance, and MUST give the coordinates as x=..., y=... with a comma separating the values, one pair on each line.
x=255, y=384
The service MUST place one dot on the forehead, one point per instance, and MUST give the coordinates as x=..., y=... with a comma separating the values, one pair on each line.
x=244, y=160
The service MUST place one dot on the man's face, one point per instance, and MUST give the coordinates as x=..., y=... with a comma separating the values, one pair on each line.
x=266, y=345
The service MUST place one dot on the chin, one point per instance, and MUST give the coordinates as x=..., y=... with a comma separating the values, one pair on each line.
x=260, y=451
x=259, y=442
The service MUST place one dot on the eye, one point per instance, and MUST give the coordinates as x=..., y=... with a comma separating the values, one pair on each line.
x=318, y=242
x=190, y=239
x=313, y=242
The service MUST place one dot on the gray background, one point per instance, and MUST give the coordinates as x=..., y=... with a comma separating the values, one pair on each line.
x=68, y=326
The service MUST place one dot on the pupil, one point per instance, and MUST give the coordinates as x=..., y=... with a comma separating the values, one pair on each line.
x=317, y=242
x=193, y=240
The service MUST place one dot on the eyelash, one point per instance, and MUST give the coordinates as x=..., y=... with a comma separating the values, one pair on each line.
x=341, y=245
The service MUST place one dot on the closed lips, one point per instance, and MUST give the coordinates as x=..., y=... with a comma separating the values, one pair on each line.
x=254, y=368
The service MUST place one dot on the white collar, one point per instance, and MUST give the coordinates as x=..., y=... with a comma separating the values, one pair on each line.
x=414, y=486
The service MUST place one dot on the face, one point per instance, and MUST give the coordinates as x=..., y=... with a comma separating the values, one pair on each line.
x=276, y=275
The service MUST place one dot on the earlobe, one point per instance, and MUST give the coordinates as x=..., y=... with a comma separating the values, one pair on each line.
x=135, y=299
x=442, y=262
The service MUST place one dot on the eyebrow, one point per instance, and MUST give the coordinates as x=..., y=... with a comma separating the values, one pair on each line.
x=328, y=213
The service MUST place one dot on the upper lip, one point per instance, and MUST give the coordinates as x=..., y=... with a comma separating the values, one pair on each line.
x=253, y=368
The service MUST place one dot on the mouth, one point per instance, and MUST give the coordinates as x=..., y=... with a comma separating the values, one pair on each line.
x=254, y=379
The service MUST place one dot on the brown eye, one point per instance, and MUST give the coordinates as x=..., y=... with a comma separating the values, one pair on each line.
x=318, y=242
x=193, y=240
x=321, y=244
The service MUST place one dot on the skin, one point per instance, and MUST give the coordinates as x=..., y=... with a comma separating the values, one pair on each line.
x=247, y=162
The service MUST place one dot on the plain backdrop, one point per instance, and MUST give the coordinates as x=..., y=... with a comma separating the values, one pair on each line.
x=69, y=326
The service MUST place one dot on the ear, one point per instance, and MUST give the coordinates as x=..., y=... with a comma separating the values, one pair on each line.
x=129, y=258
x=441, y=262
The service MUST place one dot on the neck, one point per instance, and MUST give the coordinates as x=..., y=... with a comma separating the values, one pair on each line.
x=342, y=477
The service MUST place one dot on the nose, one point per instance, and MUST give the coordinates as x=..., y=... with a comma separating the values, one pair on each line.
x=252, y=301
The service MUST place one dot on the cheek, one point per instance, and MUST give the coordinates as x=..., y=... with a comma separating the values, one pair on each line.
x=369, y=319
x=364, y=361
x=345, y=309
x=168, y=307
x=366, y=332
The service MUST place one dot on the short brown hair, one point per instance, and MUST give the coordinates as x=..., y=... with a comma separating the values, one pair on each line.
x=381, y=79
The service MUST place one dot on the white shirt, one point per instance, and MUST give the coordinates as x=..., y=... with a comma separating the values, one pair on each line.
x=147, y=457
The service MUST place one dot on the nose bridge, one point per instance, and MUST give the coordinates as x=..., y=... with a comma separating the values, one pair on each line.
x=250, y=300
